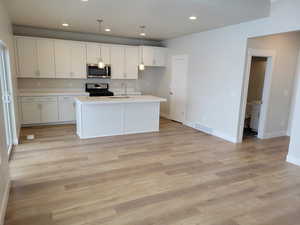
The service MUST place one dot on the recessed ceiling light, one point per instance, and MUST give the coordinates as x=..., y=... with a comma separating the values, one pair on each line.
x=65, y=24
x=193, y=17
x=107, y=29
x=143, y=34
x=84, y=0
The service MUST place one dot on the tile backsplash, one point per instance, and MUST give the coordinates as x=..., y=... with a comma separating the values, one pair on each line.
x=147, y=83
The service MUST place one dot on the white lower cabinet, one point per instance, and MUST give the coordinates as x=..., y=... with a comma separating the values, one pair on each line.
x=49, y=112
x=30, y=112
x=40, y=110
x=66, y=108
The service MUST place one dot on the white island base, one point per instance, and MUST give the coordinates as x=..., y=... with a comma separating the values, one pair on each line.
x=107, y=116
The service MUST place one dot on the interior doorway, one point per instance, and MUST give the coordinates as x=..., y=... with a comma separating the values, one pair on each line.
x=6, y=102
x=178, y=88
x=256, y=95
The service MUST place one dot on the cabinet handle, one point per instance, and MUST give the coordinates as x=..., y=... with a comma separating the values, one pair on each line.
x=154, y=62
x=74, y=104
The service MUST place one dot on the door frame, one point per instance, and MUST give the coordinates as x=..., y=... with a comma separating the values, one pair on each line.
x=271, y=59
x=14, y=132
x=186, y=57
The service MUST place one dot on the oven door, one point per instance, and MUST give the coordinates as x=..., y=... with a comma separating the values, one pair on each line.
x=93, y=71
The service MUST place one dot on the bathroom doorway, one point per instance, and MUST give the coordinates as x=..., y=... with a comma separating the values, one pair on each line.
x=255, y=95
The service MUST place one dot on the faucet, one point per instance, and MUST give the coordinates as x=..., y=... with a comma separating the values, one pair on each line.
x=124, y=85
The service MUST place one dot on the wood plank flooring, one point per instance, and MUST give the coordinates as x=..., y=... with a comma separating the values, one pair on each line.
x=178, y=176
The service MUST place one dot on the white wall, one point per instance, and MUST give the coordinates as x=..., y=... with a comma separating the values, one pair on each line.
x=287, y=48
x=294, y=150
x=217, y=63
x=5, y=37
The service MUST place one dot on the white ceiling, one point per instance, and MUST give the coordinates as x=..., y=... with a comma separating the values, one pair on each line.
x=164, y=19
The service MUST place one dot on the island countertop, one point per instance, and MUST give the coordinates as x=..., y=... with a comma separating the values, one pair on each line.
x=118, y=99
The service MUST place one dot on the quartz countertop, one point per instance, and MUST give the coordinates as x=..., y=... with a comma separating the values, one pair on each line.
x=52, y=92
x=119, y=99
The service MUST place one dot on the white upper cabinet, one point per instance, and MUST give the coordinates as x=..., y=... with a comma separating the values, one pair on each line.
x=27, y=57
x=78, y=60
x=153, y=56
x=117, y=62
x=131, y=62
x=160, y=55
x=95, y=51
x=124, y=62
x=45, y=58
x=70, y=59
x=53, y=58
x=62, y=59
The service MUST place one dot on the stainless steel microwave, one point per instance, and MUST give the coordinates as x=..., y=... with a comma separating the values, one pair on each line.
x=93, y=71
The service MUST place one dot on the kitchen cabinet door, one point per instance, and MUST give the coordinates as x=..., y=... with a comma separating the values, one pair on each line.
x=62, y=59
x=49, y=112
x=27, y=57
x=45, y=57
x=31, y=112
x=159, y=56
x=66, y=109
x=105, y=53
x=117, y=62
x=96, y=51
x=147, y=54
x=78, y=60
x=131, y=62
x=92, y=53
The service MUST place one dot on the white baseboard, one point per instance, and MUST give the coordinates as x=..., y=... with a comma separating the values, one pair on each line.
x=293, y=160
x=273, y=134
x=213, y=133
x=164, y=115
x=4, y=203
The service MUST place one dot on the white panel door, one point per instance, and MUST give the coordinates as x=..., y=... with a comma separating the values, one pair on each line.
x=159, y=56
x=31, y=112
x=45, y=57
x=178, y=87
x=78, y=60
x=27, y=57
x=117, y=62
x=66, y=109
x=148, y=55
x=62, y=59
x=93, y=53
x=49, y=112
x=131, y=62
x=105, y=53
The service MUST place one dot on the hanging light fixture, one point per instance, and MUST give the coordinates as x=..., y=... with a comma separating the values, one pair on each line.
x=142, y=65
x=101, y=63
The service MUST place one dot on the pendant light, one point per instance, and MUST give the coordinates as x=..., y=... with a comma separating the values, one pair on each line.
x=101, y=63
x=142, y=65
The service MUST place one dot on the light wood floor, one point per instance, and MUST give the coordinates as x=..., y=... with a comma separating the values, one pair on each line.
x=178, y=176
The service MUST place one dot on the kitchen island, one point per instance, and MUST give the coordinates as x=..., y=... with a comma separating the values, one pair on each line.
x=117, y=115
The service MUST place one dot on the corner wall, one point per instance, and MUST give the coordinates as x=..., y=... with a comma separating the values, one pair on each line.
x=287, y=48
x=217, y=64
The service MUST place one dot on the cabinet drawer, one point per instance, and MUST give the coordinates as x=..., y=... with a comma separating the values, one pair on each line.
x=38, y=99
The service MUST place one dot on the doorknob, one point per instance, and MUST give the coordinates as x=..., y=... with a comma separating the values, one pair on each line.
x=171, y=93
